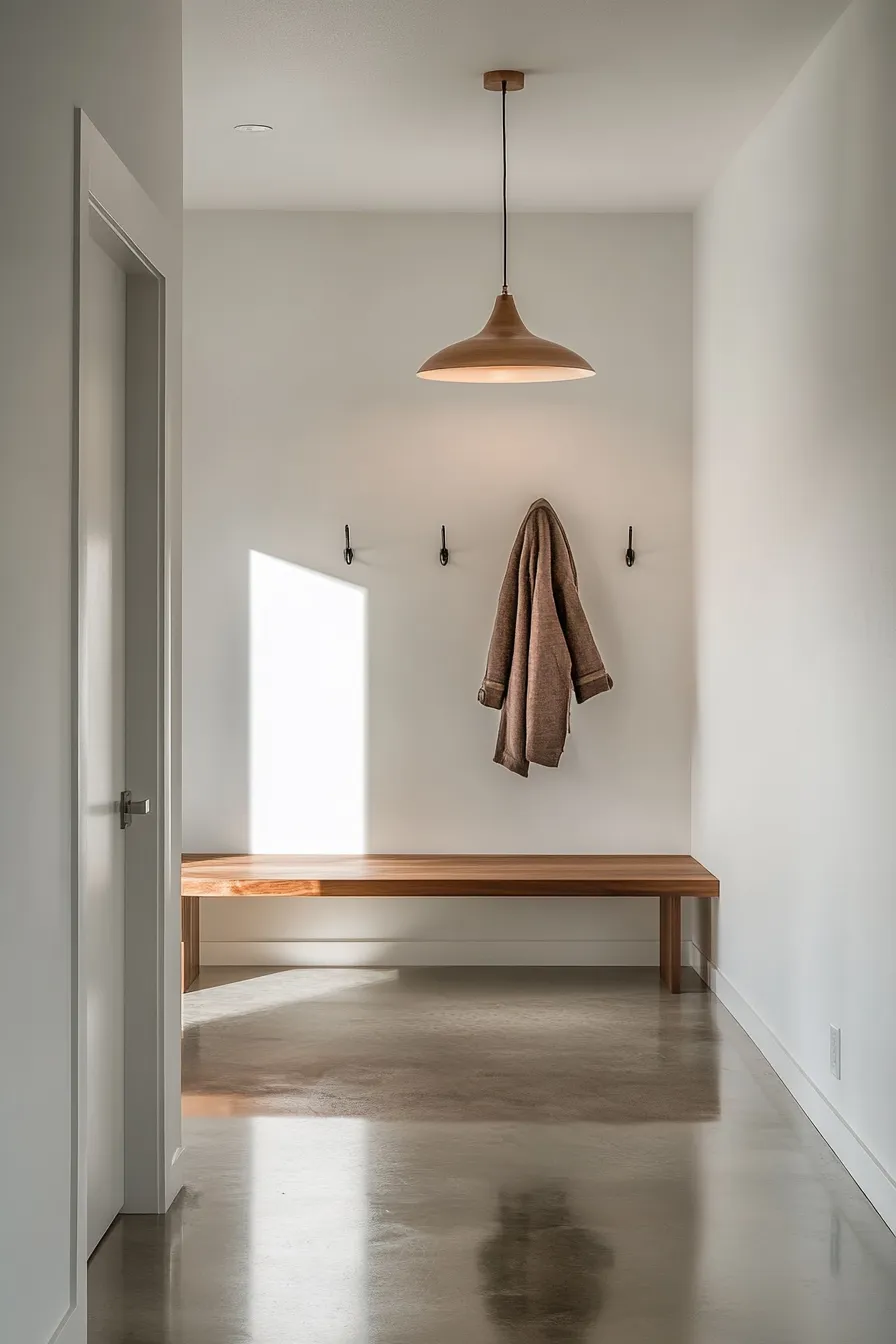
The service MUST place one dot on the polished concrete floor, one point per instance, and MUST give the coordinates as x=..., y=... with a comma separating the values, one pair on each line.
x=435, y=1158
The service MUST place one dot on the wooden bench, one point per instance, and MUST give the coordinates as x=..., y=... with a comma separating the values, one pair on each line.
x=668, y=876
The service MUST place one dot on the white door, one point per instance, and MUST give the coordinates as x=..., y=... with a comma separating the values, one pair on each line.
x=103, y=504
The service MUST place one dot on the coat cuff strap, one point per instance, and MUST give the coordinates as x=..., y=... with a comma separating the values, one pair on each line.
x=592, y=685
x=491, y=694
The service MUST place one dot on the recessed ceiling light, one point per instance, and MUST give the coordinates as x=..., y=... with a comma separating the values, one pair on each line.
x=253, y=127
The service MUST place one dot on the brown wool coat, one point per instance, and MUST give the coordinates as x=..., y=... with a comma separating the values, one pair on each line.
x=541, y=646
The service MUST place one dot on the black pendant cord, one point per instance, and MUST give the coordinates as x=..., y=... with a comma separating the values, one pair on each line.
x=504, y=176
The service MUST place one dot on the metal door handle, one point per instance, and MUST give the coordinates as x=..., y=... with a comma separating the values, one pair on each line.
x=129, y=807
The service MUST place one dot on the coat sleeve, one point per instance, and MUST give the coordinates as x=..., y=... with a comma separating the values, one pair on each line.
x=500, y=651
x=589, y=676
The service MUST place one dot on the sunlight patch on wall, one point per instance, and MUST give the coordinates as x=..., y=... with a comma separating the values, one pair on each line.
x=307, y=711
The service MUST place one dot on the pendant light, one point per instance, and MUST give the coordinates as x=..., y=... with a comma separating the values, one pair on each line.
x=504, y=351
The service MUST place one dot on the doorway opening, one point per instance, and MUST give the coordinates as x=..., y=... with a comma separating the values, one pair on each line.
x=126, y=929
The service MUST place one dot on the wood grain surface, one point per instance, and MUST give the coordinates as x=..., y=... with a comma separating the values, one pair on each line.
x=416, y=875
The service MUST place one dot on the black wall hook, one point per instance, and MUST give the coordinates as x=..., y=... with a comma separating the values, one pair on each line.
x=443, y=553
x=348, y=554
x=630, y=555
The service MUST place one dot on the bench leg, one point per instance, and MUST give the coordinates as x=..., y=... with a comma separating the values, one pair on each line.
x=189, y=917
x=670, y=943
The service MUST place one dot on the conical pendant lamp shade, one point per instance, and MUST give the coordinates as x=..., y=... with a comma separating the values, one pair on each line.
x=505, y=351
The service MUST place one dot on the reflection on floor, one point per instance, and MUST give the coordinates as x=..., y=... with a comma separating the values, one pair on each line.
x=426, y=1158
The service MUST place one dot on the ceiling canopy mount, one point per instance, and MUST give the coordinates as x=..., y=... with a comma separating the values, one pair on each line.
x=499, y=81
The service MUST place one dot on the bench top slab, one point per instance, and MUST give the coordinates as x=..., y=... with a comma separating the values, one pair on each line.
x=415, y=875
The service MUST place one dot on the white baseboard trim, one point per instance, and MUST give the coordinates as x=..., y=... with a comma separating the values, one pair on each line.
x=438, y=952
x=174, y=1181
x=144, y=1195
x=872, y=1179
x=73, y=1328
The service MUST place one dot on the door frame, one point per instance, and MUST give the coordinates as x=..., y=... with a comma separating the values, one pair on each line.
x=112, y=209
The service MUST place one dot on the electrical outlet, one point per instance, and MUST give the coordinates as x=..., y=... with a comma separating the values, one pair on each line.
x=835, y=1051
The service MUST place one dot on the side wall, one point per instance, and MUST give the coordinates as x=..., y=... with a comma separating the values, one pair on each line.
x=795, y=765
x=121, y=61
x=329, y=708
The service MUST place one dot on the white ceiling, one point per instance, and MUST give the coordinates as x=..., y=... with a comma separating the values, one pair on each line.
x=378, y=104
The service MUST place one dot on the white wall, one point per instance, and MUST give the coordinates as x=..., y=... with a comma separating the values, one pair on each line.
x=302, y=336
x=795, y=767
x=121, y=61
